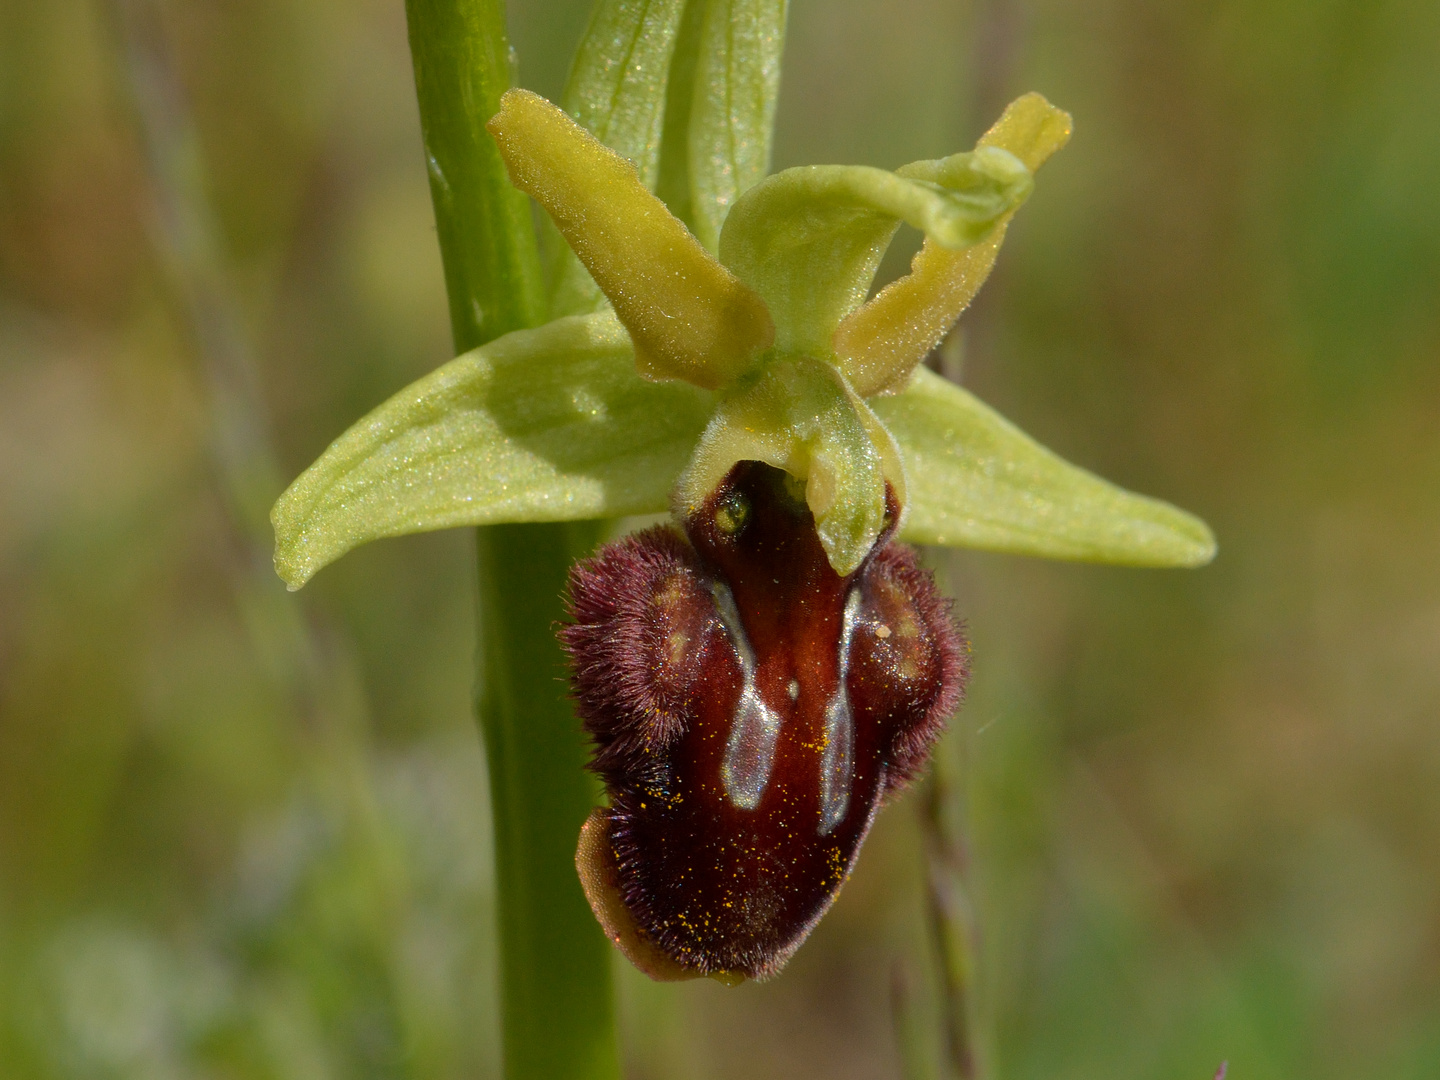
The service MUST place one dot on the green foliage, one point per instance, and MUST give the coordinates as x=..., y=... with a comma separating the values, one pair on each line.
x=732, y=106
x=1204, y=805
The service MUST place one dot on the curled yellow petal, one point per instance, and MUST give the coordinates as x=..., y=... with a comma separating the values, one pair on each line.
x=879, y=343
x=688, y=316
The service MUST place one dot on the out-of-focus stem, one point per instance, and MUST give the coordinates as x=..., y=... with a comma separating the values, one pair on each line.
x=186, y=239
x=998, y=31
x=914, y=1038
x=310, y=663
x=952, y=922
x=555, y=990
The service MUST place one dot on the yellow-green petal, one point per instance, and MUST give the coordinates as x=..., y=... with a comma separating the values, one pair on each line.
x=551, y=424
x=978, y=481
x=808, y=239
x=878, y=343
x=616, y=91
x=688, y=316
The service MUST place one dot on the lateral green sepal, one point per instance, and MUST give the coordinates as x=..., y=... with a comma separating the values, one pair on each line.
x=978, y=481
x=551, y=424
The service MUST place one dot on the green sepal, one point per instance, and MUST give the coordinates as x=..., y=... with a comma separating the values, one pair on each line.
x=800, y=415
x=809, y=239
x=732, y=107
x=616, y=91
x=976, y=480
x=551, y=424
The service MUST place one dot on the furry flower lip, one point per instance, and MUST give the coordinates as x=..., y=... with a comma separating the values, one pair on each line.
x=750, y=708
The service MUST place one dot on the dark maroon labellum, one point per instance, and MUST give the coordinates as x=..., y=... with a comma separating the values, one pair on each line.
x=750, y=708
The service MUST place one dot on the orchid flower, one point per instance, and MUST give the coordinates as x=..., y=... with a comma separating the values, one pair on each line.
x=683, y=351
x=765, y=350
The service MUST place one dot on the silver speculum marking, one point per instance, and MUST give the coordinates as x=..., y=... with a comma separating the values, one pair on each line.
x=837, y=763
x=750, y=749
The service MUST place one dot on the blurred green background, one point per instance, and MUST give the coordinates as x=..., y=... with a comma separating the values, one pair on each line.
x=244, y=834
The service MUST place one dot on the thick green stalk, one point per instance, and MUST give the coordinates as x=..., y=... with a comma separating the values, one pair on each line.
x=487, y=241
x=558, y=1020
x=558, y=1016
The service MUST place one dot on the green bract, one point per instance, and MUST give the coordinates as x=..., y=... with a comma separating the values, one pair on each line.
x=757, y=344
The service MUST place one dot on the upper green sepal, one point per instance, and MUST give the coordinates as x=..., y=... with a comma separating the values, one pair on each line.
x=976, y=480
x=551, y=424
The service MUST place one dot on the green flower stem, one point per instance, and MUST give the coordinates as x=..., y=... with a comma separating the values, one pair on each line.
x=487, y=240
x=558, y=1016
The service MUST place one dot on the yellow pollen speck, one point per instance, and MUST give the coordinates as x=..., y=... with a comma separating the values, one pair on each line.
x=882, y=631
